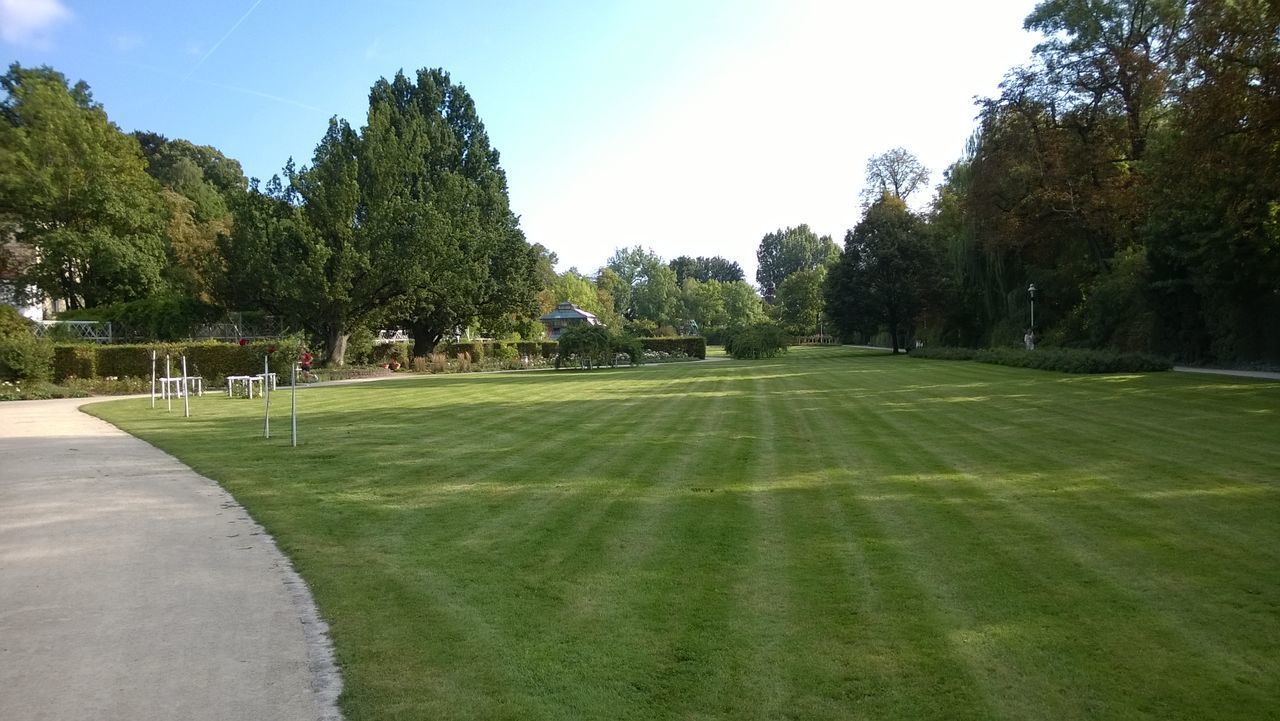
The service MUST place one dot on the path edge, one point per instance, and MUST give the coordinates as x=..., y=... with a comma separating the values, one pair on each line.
x=326, y=677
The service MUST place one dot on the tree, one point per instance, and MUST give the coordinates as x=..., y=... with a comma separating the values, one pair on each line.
x=705, y=269
x=784, y=252
x=200, y=186
x=886, y=275
x=77, y=190
x=642, y=285
x=800, y=301
x=742, y=304
x=704, y=303
x=427, y=152
x=896, y=172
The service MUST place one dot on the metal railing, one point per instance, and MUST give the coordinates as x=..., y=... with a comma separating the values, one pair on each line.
x=90, y=330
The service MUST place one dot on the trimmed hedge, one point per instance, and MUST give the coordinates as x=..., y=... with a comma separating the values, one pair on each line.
x=1063, y=360
x=212, y=360
x=74, y=361
x=694, y=346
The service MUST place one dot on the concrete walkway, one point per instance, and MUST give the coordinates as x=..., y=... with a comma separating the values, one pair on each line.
x=132, y=588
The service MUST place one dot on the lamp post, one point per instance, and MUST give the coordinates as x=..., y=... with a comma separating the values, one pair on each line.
x=1032, y=290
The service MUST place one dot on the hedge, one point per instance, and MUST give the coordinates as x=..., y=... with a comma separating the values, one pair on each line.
x=1064, y=360
x=212, y=360
x=694, y=347
x=74, y=361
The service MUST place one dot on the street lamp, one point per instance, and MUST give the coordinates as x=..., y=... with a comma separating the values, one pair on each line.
x=1032, y=290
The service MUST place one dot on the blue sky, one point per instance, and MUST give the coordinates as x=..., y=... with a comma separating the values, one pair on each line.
x=688, y=127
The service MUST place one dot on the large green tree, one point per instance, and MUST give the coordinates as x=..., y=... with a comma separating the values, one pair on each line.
x=75, y=188
x=788, y=251
x=887, y=274
x=704, y=269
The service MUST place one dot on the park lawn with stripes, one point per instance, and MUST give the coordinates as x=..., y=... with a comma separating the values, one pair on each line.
x=834, y=534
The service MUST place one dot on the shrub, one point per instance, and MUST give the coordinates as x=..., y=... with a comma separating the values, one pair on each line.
x=1064, y=360
x=13, y=323
x=755, y=341
x=419, y=364
x=692, y=346
x=464, y=362
x=1074, y=360
x=130, y=360
x=624, y=344
x=24, y=357
x=942, y=353
x=529, y=349
x=360, y=347
x=589, y=343
x=502, y=352
x=439, y=363
x=550, y=349
x=74, y=361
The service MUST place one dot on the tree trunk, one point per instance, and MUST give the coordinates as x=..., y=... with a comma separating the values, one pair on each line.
x=336, y=343
x=425, y=338
x=893, y=333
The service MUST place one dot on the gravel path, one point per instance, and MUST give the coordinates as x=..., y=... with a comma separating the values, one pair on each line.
x=133, y=588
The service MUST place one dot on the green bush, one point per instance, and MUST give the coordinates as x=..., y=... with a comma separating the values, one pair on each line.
x=550, y=349
x=529, y=349
x=475, y=350
x=758, y=340
x=25, y=358
x=942, y=353
x=158, y=318
x=1064, y=360
x=13, y=323
x=623, y=343
x=692, y=346
x=74, y=361
x=590, y=344
x=1074, y=360
x=502, y=351
x=360, y=347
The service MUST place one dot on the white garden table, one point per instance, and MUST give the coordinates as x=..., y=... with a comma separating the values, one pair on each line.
x=173, y=386
x=248, y=382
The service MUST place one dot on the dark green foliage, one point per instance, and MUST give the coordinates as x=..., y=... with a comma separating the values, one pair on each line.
x=78, y=191
x=1065, y=360
x=12, y=322
x=24, y=357
x=475, y=349
x=692, y=346
x=628, y=345
x=211, y=360
x=530, y=349
x=940, y=352
x=784, y=252
x=74, y=361
x=163, y=318
x=756, y=341
x=590, y=344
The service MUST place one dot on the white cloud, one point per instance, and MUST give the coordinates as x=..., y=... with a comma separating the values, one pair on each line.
x=28, y=22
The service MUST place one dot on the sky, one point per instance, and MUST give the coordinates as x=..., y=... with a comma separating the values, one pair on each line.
x=690, y=128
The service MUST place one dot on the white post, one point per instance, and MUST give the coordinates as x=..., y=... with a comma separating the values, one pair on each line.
x=186, y=391
x=153, y=378
x=266, y=399
x=168, y=373
x=293, y=414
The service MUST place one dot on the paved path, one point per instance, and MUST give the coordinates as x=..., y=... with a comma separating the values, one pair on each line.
x=132, y=588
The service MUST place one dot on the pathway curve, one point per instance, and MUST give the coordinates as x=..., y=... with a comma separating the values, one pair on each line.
x=133, y=588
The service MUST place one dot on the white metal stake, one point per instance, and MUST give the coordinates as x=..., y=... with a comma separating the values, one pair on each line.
x=168, y=373
x=293, y=415
x=153, y=378
x=266, y=399
x=186, y=391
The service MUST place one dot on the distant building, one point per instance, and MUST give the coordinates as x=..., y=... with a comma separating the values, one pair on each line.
x=565, y=315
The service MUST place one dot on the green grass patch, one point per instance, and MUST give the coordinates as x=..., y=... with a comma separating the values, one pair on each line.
x=836, y=534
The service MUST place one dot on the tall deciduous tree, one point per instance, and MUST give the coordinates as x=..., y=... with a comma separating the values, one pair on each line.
x=76, y=188
x=896, y=172
x=800, y=301
x=704, y=269
x=886, y=275
x=784, y=252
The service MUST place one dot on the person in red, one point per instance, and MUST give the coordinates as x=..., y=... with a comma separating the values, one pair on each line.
x=305, y=362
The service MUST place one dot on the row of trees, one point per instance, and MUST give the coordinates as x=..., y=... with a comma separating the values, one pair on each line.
x=404, y=222
x=1131, y=172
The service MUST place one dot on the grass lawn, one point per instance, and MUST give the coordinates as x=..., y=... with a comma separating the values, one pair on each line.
x=835, y=534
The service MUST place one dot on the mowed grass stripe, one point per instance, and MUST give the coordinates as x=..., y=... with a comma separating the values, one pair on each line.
x=834, y=534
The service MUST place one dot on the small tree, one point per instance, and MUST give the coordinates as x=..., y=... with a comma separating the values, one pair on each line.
x=755, y=341
x=590, y=343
